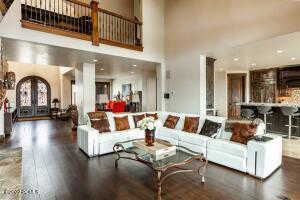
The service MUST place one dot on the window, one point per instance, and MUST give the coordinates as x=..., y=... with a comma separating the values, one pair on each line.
x=42, y=93
x=25, y=97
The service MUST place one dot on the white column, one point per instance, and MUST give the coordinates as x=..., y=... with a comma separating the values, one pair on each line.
x=85, y=90
x=203, y=86
x=79, y=92
x=161, y=86
x=89, y=87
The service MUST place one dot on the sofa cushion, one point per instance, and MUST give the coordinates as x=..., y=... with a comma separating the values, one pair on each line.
x=194, y=139
x=210, y=128
x=191, y=124
x=154, y=115
x=171, y=121
x=122, y=123
x=138, y=118
x=102, y=125
x=225, y=146
x=242, y=133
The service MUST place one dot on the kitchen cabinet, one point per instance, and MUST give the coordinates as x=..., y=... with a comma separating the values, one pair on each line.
x=263, y=86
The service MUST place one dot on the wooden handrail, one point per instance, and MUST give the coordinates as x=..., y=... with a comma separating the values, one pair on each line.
x=3, y=8
x=120, y=16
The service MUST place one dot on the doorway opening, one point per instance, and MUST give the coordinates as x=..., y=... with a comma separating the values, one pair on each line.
x=33, y=97
x=236, y=93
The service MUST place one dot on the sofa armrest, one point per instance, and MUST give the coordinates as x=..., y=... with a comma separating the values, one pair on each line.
x=87, y=140
x=264, y=157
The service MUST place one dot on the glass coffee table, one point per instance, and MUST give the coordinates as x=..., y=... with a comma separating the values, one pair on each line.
x=179, y=162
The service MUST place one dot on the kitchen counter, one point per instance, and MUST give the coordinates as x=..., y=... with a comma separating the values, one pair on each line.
x=270, y=104
x=277, y=121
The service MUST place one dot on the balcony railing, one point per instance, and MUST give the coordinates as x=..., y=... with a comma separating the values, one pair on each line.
x=83, y=21
x=4, y=6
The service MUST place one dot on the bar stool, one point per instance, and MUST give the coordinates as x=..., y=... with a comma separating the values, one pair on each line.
x=290, y=112
x=265, y=110
x=247, y=113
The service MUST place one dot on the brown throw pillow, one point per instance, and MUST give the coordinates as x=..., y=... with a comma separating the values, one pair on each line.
x=242, y=133
x=191, y=124
x=102, y=125
x=155, y=116
x=138, y=118
x=122, y=123
x=97, y=115
x=171, y=122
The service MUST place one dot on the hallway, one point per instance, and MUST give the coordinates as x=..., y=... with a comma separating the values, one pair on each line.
x=54, y=168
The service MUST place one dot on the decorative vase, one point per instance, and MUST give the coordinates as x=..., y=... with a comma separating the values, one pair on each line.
x=149, y=137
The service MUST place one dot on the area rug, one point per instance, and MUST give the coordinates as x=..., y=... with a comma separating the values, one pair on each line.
x=10, y=174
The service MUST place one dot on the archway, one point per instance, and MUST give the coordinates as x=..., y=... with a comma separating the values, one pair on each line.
x=33, y=97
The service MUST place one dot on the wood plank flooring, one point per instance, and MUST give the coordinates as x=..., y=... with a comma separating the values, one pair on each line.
x=54, y=168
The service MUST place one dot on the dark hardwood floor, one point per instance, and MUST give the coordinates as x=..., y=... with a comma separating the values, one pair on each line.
x=55, y=168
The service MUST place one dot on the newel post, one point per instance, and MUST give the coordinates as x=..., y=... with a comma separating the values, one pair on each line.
x=95, y=19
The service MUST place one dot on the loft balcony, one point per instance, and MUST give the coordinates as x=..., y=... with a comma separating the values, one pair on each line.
x=83, y=21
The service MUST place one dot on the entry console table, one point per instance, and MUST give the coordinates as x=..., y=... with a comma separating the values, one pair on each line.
x=162, y=168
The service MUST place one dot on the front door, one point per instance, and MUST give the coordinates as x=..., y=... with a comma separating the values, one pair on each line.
x=33, y=97
x=236, y=93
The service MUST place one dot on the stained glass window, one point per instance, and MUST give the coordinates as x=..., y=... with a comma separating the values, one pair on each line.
x=42, y=93
x=26, y=93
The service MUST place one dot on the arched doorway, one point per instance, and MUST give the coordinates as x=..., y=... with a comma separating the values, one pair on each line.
x=33, y=97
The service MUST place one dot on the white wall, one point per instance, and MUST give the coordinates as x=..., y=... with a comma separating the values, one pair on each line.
x=65, y=82
x=145, y=83
x=136, y=82
x=196, y=27
x=121, y=7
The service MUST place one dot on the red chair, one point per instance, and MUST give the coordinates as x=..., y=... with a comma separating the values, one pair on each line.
x=116, y=106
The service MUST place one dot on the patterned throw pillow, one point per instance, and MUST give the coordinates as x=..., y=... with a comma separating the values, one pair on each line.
x=122, y=123
x=97, y=115
x=102, y=125
x=242, y=133
x=155, y=116
x=138, y=118
x=191, y=124
x=171, y=122
x=210, y=128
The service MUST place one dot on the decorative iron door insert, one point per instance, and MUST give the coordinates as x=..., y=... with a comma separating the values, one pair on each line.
x=33, y=97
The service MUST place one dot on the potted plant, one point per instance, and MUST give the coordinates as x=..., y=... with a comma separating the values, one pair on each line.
x=149, y=125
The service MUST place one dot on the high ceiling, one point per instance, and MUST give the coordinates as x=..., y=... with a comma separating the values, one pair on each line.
x=107, y=66
x=275, y=52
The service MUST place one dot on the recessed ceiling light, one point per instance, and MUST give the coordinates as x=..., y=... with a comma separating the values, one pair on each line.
x=102, y=69
x=95, y=60
x=134, y=65
x=236, y=59
x=279, y=51
x=132, y=72
x=253, y=64
x=293, y=58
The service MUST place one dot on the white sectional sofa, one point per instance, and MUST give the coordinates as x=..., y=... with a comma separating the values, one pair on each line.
x=259, y=159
